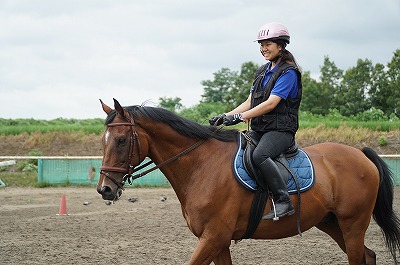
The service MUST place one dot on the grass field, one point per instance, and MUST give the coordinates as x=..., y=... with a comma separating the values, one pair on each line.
x=96, y=126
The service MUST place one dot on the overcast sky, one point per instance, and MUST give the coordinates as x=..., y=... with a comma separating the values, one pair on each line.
x=58, y=57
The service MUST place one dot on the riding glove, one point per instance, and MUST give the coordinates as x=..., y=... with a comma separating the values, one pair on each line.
x=217, y=120
x=233, y=119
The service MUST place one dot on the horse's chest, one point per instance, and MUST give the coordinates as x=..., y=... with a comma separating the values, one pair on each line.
x=194, y=221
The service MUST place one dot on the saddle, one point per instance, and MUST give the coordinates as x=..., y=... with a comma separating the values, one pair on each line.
x=249, y=143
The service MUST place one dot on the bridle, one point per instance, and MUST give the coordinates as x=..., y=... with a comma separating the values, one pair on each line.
x=130, y=169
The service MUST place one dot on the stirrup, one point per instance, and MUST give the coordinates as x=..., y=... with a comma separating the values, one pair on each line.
x=276, y=217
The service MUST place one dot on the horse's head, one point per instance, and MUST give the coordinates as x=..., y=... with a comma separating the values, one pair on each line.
x=121, y=151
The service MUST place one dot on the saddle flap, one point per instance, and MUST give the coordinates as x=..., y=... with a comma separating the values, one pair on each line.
x=249, y=144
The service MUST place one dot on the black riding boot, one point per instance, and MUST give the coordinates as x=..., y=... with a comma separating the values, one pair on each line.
x=283, y=205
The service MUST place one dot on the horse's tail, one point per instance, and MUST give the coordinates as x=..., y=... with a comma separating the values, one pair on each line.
x=383, y=213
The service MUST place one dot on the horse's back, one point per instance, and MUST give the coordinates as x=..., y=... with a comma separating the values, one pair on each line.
x=344, y=172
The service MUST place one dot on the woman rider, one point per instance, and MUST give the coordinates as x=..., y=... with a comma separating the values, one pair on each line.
x=272, y=108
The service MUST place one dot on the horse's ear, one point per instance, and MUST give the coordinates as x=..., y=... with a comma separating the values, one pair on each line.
x=119, y=108
x=106, y=108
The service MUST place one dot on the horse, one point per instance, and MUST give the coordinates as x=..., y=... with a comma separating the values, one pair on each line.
x=351, y=185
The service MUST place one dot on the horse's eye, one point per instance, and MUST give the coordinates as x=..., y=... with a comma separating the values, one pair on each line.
x=121, y=141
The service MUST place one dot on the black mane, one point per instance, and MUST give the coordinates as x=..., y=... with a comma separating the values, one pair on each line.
x=182, y=125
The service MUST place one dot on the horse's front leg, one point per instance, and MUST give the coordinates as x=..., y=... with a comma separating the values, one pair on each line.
x=224, y=257
x=209, y=250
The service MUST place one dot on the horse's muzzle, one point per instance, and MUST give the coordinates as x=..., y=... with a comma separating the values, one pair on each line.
x=109, y=194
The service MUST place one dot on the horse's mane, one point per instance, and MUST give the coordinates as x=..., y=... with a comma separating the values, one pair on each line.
x=180, y=124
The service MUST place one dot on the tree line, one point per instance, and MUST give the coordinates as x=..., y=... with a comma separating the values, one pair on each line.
x=362, y=89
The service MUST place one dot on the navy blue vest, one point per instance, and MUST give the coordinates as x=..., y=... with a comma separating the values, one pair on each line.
x=285, y=115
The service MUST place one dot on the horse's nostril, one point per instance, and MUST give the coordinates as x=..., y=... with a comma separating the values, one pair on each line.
x=105, y=190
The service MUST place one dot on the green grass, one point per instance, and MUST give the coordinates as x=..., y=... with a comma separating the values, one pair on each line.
x=19, y=179
x=17, y=126
x=18, y=129
x=381, y=126
x=96, y=126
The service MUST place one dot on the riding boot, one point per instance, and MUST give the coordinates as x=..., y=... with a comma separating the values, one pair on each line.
x=282, y=204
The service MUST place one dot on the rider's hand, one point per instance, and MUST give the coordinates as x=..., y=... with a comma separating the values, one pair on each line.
x=217, y=120
x=233, y=119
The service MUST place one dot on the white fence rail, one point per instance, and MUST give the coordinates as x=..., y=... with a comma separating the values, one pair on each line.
x=49, y=157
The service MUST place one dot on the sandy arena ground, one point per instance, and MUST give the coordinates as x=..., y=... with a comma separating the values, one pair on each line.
x=147, y=231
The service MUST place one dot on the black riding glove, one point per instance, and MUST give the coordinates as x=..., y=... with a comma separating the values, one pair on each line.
x=233, y=119
x=217, y=120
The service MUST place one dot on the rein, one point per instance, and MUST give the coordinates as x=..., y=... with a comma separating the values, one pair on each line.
x=104, y=170
x=131, y=177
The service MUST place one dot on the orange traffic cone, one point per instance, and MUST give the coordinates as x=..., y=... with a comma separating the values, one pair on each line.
x=63, y=206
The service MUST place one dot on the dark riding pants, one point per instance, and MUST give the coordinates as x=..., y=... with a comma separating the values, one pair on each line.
x=271, y=145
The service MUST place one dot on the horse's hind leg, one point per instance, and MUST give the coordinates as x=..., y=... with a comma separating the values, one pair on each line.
x=331, y=227
x=354, y=235
x=370, y=256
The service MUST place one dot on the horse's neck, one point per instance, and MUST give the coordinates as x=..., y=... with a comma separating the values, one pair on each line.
x=174, y=156
x=195, y=168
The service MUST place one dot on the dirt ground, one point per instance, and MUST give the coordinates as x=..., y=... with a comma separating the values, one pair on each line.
x=148, y=231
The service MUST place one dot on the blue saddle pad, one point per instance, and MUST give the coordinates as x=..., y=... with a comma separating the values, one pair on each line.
x=300, y=165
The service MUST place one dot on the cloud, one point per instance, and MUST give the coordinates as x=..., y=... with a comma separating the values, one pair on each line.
x=57, y=58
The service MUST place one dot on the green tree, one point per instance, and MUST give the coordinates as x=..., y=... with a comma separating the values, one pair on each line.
x=380, y=90
x=203, y=111
x=329, y=86
x=354, y=89
x=172, y=104
x=311, y=99
x=241, y=85
x=216, y=90
x=394, y=84
x=350, y=93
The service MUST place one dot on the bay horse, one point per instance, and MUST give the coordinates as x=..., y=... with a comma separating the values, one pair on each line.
x=351, y=185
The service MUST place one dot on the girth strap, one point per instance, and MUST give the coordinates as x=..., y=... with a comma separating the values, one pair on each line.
x=257, y=208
